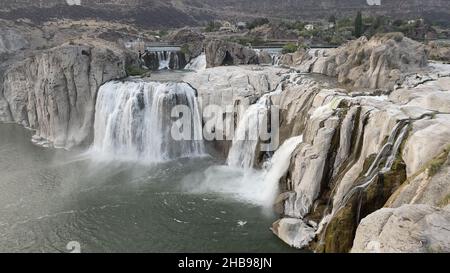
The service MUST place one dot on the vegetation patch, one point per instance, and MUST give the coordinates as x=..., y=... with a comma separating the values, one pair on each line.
x=446, y=201
x=435, y=165
x=135, y=71
x=290, y=48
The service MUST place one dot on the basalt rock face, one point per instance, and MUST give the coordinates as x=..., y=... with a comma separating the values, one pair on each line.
x=361, y=151
x=409, y=228
x=219, y=53
x=236, y=88
x=191, y=42
x=11, y=40
x=381, y=62
x=439, y=51
x=54, y=92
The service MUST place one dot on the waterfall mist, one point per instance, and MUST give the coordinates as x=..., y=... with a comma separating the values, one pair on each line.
x=258, y=187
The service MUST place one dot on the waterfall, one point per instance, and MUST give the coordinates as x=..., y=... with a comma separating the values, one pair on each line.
x=133, y=121
x=277, y=168
x=258, y=187
x=243, y=150
x=164, y=59
x=247, y=136
x=386, y=155
x=197, y=64
x=276, y=58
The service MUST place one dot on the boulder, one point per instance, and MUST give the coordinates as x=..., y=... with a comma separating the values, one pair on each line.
x=294, y=232
x=219, y=53
x=191, y=42
x=439, y=51
x=409, y=228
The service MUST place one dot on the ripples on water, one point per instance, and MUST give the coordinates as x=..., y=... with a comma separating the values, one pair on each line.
x=51, y=197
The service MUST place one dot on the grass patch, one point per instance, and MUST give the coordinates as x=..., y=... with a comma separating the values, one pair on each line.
x=444, y=202
x=436, y=164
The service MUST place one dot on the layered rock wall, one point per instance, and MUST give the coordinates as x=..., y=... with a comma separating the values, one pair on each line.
x=54, y=92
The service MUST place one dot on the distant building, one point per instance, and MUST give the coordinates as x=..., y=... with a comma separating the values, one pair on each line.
x=227, y=26
x=329, y=26
x=309, y=27
x=241, y=25
x=373, y=2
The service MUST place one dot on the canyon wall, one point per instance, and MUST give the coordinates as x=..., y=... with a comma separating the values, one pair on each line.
x=54, y=92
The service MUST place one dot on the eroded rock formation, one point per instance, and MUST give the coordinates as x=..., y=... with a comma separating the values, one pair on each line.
x=54, y=92
x=220, y=53
x=381, y=62
x=407, y=229
x=358, y=150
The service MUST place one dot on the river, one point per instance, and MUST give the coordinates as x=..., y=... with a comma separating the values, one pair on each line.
x=50, y=197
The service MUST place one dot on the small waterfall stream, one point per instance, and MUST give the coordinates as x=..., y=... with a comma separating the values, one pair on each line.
x=382, y=163
x=164, y=60
x=243, y=150
x=133, y=121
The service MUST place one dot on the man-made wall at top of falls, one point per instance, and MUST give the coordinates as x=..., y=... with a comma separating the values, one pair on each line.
x=133, y=121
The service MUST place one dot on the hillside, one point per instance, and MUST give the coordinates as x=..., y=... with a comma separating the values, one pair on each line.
x=192, y=12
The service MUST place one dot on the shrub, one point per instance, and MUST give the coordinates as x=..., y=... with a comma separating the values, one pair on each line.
x=212, y=26
x=290, y=48
x=358, y=25
x=258, y=22
x=135, y=71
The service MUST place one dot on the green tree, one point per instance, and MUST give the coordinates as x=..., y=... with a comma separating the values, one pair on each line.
x=358, y=25
x=289, y=48
x=332, y=19
x=212, y=26
x=258, y=22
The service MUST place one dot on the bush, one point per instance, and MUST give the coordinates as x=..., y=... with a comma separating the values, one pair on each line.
x=290, y=48
x=212, y=26
x=185, y=49
x=135, y=71
x=358, y=25
x=258, y=22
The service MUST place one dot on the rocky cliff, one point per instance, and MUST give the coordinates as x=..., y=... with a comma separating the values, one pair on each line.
x=54, y=92
x=381, y=62
x=376, y=133
x=363, y=150
x=220, y=53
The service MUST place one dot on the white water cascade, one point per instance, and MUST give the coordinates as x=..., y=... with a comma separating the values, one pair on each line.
x=197, y=64
x=243, y=150
x=133, y=121
x=277, y=168
x=258, y=187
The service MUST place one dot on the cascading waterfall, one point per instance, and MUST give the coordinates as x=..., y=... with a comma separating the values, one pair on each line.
x=133, y=121
x=164, y=59
x=277, y=167
x=258, y=187
x=197, y=64
x=247, y=136
x=243, y=150
x=387, y=155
